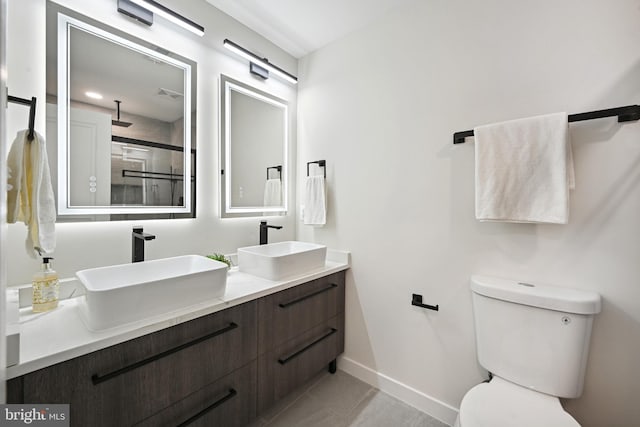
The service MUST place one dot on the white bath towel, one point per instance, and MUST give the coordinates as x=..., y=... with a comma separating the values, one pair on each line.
x=30, y=196
x=273, y=192
x=315, y=201
x=524, y=170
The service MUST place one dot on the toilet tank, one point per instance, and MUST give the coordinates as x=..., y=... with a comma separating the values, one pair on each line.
x=534, y=335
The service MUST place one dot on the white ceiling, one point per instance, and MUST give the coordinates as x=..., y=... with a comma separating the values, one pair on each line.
x=303, y=26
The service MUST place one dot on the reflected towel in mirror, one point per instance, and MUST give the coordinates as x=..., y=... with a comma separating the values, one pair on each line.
x=273, y=192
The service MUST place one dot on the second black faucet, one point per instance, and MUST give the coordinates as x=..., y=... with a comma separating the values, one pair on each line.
x=264, y=231
x=137, y=243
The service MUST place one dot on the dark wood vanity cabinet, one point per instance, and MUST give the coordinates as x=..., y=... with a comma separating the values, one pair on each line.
x=216, y=370
x=126, y=383
x=228, y=402
x=300, y=330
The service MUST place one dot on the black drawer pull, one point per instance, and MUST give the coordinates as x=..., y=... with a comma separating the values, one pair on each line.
x=97, y=379
x=211, y=407
x=287, y=359
x=312, y=294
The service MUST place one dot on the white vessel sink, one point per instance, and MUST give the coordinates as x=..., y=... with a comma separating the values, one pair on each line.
x=276, y=261
x=120, y=294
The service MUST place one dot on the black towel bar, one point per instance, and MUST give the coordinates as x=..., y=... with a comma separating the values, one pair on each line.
x=32, y=111
x=321, y=163
x=629, y=113
x=130, y=173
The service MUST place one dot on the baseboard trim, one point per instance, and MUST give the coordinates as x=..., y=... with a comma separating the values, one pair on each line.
x=427, y=404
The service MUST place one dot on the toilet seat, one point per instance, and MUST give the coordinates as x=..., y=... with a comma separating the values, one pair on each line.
x=500, y=403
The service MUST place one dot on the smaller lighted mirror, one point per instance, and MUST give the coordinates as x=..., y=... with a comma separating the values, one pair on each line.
x=254, y=145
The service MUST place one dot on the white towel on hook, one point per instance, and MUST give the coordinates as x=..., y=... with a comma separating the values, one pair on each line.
x=30, y=196
x=524, y=170
x=315, y=201
x=273, y=192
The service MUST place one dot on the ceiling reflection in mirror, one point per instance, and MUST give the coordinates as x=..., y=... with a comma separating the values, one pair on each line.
x=254, y=151
x=120, y=118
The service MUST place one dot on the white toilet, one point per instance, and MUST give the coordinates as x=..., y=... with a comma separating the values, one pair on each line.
x=534, y=339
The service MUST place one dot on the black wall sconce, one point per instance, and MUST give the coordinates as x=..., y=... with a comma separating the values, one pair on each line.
x=143, y=10
x=260, y=67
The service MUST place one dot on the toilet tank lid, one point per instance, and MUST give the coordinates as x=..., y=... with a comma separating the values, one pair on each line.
x=537, y=295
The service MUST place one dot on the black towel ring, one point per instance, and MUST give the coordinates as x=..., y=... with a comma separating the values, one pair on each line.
x=322, y=164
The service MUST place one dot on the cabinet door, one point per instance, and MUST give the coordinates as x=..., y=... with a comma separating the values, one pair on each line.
x=291, y=364
x=128, y=382
x=229, y=402
x=289, y=313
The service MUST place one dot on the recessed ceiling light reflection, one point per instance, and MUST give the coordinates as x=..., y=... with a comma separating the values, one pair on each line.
x=93, y=95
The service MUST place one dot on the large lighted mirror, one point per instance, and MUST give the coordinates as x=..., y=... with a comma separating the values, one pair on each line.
x=120, y=121
x=254, y=132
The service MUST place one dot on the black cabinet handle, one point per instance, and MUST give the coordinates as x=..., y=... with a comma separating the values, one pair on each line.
x=312, y=294
x=284, y=360
x=97, y=379
x=209, y=408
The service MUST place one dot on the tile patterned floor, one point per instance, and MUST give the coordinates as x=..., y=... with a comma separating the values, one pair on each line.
x=341, y=400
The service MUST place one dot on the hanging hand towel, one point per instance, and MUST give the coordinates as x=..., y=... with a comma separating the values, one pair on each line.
x=524, y=170
x=30, y=196
x=315, y=201
x=273, y=192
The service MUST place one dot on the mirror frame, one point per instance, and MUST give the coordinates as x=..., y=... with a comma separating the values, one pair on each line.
x=227, y=84
x=65, y=23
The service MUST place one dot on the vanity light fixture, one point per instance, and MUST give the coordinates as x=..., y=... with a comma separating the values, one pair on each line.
x=146, y=8
x=259, y=65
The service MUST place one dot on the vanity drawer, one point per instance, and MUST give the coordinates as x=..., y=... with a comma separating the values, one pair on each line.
x=229, y=402
x=128, y=382
x=294, y=362
x=287, y=314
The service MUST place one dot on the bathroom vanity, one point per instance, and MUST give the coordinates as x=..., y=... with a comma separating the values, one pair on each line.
x=228, y=363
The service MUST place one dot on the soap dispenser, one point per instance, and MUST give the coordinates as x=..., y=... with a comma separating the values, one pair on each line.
x=46, y=288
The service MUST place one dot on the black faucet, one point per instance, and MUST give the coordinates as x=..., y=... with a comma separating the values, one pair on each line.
x=264, y=228
x=137, y=243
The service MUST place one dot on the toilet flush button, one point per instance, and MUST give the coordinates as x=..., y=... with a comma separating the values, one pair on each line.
x=566, y=320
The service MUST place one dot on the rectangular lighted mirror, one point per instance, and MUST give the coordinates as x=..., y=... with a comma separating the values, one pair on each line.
x=121, y=113
x=254, y=151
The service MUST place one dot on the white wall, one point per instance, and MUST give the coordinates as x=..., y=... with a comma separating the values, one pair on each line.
x=381, y=106
x=85, y=245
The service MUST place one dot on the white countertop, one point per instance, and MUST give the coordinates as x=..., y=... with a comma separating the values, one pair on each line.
x=59, y=335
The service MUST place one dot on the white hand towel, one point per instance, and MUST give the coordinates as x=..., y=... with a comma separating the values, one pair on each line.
x=524, y=170
x=315, y=201
x=273, y=192
x=30, y=196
